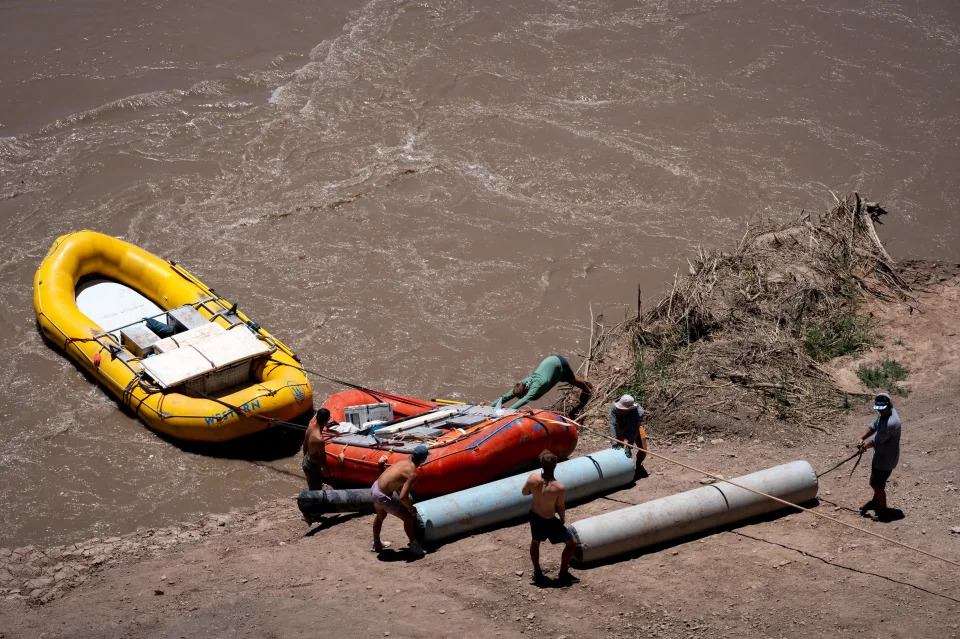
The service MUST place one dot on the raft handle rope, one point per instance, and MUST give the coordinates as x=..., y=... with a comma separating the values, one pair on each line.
x=240, y=411
x=149, y=389
x=757, y=492
x=375, y=393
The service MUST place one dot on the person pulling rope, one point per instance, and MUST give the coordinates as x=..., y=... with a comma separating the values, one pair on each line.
x=762, y=494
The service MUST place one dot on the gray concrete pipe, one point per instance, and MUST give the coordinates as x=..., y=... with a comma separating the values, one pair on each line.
x=694, y=511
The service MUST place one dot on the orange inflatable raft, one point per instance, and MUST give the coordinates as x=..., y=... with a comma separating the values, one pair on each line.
x=469, y=444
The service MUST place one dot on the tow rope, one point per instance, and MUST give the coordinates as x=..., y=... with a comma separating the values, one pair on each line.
x=757, y=492
x=375, y=393
x=859, y=453
x=240, y=411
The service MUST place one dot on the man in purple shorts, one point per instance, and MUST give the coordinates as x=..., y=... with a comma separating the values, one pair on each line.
x=386, y=500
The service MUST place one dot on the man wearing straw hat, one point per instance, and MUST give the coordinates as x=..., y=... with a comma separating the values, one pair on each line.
x=626, y=425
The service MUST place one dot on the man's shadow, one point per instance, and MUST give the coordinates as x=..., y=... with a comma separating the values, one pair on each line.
x=390, y=555
x=329, y=522
x=891, y=514
x=544, y=582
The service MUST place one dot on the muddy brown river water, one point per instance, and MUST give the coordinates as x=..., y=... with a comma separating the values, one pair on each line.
x=423, y=196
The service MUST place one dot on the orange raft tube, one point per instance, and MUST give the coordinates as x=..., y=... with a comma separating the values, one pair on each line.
x=469, y=444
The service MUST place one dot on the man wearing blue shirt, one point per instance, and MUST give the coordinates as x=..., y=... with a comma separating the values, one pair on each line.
x=626, y=426
x=883, y=436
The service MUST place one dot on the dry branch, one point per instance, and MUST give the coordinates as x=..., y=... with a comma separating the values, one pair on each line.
x=748, y=317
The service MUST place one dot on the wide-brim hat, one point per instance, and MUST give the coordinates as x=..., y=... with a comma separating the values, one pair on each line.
x=626, y=402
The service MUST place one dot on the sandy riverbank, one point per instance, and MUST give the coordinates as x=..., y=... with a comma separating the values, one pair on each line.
x=264, y=573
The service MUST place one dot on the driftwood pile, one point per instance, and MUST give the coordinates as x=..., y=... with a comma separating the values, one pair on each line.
x=743, y=335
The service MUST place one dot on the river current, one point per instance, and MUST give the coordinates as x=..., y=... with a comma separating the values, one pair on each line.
x=424, y=197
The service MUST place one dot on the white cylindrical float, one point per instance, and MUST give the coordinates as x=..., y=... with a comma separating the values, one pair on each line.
x=501, y=501
x=694, y=511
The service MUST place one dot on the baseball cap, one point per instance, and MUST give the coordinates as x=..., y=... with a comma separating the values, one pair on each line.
x=882, y=402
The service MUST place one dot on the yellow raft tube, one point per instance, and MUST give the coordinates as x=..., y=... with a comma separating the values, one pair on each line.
x=276, y=388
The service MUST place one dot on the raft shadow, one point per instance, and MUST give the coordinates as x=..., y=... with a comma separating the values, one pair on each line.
x=666, y=545
x=265, y=446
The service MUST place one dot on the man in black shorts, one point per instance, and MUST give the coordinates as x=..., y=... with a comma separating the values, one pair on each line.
x=546, y=516
x=314, y=452
x=883, y=435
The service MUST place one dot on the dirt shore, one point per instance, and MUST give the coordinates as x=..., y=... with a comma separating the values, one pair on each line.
x=264, y=573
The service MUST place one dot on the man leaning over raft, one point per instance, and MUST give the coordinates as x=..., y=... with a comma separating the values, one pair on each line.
x=551, y=371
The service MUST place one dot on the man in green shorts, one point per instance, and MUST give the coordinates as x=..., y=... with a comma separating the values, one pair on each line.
x=549, y=373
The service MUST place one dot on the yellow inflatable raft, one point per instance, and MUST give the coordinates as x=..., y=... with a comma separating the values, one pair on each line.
x=182, y=358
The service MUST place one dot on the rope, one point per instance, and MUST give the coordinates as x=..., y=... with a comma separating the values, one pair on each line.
x=859, y=452
x=375, y=393
x=212, y=365
x=762, y=494
x=239, y=411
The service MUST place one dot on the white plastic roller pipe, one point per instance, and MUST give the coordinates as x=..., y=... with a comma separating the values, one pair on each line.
x=501, y=501
x=694, y=511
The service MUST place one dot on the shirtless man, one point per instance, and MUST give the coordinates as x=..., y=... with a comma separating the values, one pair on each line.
x=314, y=455
x=546, y=516
x=401, y=476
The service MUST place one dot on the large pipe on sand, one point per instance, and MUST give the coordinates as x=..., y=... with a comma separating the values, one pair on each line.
x=500, y=501
x=314, y=503
x=694, y=511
